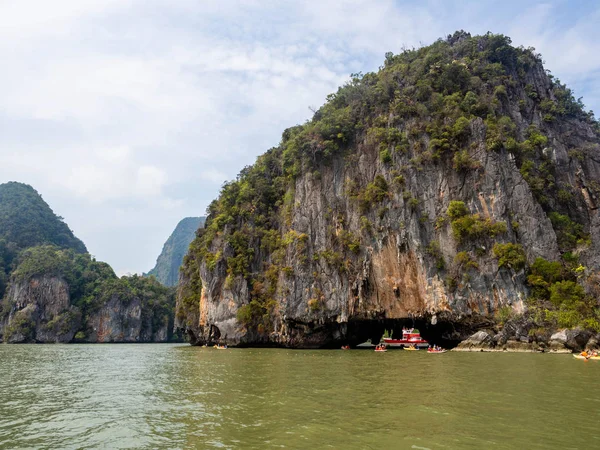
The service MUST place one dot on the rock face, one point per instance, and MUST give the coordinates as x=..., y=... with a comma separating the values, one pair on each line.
x=41, y=311
x=563, y=341
x=575, y=339
x=418, y=195
x=479, y=341
x=167, y=265
x=119, y=321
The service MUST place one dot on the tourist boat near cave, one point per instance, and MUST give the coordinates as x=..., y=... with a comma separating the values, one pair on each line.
x=410, y=337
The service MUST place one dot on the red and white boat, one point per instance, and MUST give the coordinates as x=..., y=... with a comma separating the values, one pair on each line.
x=410, y=337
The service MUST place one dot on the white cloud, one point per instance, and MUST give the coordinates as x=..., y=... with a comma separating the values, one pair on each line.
x=571, y=51
x=115, y=154
x=28, y=19
x=214, y=176
x=150, y=181
x=113, y=174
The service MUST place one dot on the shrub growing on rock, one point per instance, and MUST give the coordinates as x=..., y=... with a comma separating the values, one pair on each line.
x=559, y=299
x=511, y=256
x=465, y=261
x=467, y=226
x=21, y=329
x=457, y=209
x=375, y=192
x=567, y=293
x=568, y=233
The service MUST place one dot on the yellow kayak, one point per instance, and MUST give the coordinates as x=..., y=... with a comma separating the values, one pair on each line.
x=412, y=349
x=596, y=358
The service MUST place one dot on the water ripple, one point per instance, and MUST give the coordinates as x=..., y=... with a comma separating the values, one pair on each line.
x=172, y=396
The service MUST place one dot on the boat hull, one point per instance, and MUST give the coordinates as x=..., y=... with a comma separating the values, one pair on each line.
x=399, y=343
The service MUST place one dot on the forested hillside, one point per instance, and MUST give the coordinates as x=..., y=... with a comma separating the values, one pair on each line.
x=26, y=221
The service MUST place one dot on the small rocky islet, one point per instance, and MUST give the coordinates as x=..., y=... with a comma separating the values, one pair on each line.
x=455, y=190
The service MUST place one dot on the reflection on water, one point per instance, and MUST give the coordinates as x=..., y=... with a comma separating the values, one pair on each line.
x=174, y=396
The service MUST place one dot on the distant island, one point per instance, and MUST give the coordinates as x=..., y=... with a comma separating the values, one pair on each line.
x=52, y=290
x=175, y=248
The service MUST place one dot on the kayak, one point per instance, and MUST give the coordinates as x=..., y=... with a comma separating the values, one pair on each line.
x=437, y=351
x=596, y=358
x=381, y=349
x=411, y=349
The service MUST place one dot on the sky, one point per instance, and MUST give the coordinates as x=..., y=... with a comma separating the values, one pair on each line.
x=128, y=115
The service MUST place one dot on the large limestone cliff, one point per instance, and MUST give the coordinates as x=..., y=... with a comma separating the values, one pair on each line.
x=431, y=193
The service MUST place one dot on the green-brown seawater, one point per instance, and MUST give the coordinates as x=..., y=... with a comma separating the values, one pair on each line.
x=176, y=396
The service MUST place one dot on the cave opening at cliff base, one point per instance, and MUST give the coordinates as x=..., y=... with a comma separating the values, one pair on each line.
x=444, y=333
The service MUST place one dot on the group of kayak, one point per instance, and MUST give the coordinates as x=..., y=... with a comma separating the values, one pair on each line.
x=588, y=354
x=436, y=349
x=585, y=355
x=431, y=349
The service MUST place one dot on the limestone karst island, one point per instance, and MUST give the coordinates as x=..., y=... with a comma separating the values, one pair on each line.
x=414, y=264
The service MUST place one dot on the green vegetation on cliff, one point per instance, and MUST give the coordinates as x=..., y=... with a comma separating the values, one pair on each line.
x=445, y=111
x=469, y=227
x=563, y=295
x=169, y=261
x=26, y=220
